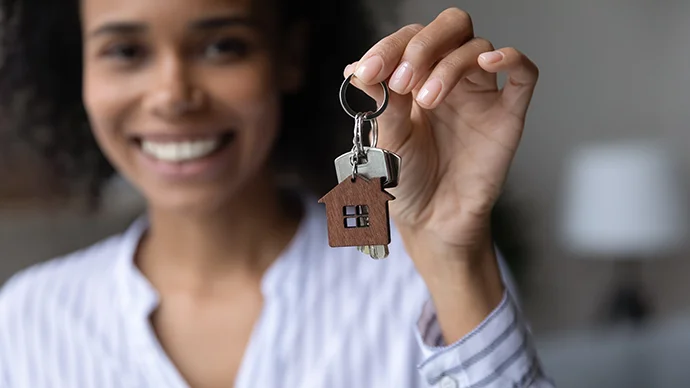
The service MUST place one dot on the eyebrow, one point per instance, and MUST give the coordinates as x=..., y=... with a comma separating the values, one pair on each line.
x=211, y=23
x=217, y=22
x=118, y=28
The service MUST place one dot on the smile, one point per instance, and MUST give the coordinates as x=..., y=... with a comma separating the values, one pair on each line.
x=183, y=150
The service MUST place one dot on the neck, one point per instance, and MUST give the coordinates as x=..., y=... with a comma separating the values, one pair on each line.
x=243, y=237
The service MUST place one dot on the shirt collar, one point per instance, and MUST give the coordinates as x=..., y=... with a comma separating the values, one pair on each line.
x=135, y=292
x=138, y=296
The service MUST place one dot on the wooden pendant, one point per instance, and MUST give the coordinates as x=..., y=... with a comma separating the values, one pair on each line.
x=357, y=213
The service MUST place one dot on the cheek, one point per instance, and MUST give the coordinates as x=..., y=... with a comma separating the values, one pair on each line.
x=254, y=97
x=250, y=92
x=106, y=103
x=106, y=97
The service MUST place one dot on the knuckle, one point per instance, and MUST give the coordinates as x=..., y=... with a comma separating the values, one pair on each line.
x=516, y=57
x=452, y=64
x=482, y=44
x=457, y=15
x=412, y=28
x=389, y=46
x=448, y=68
x=397, y=42
x=532, y=68
x=420, y=44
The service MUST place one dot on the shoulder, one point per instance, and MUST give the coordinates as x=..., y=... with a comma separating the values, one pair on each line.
x=60, y=285
x=60, y=309
x=76, y=266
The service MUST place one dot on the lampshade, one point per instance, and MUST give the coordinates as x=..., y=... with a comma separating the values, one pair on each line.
x=624, y=200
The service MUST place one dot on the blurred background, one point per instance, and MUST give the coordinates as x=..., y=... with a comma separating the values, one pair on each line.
x=594, y=217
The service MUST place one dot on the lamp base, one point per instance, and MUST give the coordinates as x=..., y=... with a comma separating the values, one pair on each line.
x=629, y=303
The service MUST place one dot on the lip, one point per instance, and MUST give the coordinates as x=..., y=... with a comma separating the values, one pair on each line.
x=193, y=170
x=178, y=135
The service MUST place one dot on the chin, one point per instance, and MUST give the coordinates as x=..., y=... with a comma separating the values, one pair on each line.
x=191, y=201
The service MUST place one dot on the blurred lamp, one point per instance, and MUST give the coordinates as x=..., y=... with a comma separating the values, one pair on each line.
x=626, y=202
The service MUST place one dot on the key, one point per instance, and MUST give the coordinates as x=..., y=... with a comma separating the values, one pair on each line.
x=375, y=251
x=394, y=161
x=377, y=163
x=354, y=208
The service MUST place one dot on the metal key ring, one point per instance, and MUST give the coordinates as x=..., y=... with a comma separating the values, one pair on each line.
x=351, y=112
x=374, y=133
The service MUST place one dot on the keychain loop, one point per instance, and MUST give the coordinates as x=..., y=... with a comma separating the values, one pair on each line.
x=358, y=151
x=357, y=141
x=357, y=144
x=369, y=116
x=374, y=132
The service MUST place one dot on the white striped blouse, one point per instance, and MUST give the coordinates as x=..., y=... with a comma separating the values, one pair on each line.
x=331, y=318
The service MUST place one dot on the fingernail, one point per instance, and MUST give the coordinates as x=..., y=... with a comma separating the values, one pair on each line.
x=369, y=69
x=492, y=56
x=430, y=91
x=401, y=78
x=348, y=69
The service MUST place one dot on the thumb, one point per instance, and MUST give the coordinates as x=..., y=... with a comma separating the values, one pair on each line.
x=394, y=122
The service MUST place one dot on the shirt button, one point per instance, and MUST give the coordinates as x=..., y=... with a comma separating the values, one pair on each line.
x=448, y=382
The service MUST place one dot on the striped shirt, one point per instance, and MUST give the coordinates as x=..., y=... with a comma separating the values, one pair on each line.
x=331, y=318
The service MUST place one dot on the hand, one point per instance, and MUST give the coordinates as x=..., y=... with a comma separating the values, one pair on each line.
x=455, y=130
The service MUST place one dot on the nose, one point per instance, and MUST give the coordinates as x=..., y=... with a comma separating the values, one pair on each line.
x=173, y=93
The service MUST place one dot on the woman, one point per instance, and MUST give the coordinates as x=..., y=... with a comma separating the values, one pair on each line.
x=229, y=280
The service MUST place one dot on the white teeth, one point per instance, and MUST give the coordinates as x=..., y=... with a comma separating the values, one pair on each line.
x=180, y=151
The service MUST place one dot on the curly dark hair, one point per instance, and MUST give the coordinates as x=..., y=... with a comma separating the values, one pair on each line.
x=41, y=87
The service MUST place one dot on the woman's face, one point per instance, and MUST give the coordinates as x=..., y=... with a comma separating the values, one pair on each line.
x=183, y=95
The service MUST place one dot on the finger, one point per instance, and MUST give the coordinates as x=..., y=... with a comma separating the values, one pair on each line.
x=374, y=91
x=522, y=77
x=450, y=30
x=392, y=123
x=460, y=64
x=380, y=61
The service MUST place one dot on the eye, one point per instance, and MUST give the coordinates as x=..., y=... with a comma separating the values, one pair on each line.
x=126, y=52
x=227, y=48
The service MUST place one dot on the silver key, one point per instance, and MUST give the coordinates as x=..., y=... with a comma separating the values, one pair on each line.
x=377, y=163
x=375, y=251
x=394, y=162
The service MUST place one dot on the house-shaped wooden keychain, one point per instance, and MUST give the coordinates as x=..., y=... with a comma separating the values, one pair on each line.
x=357, y=213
